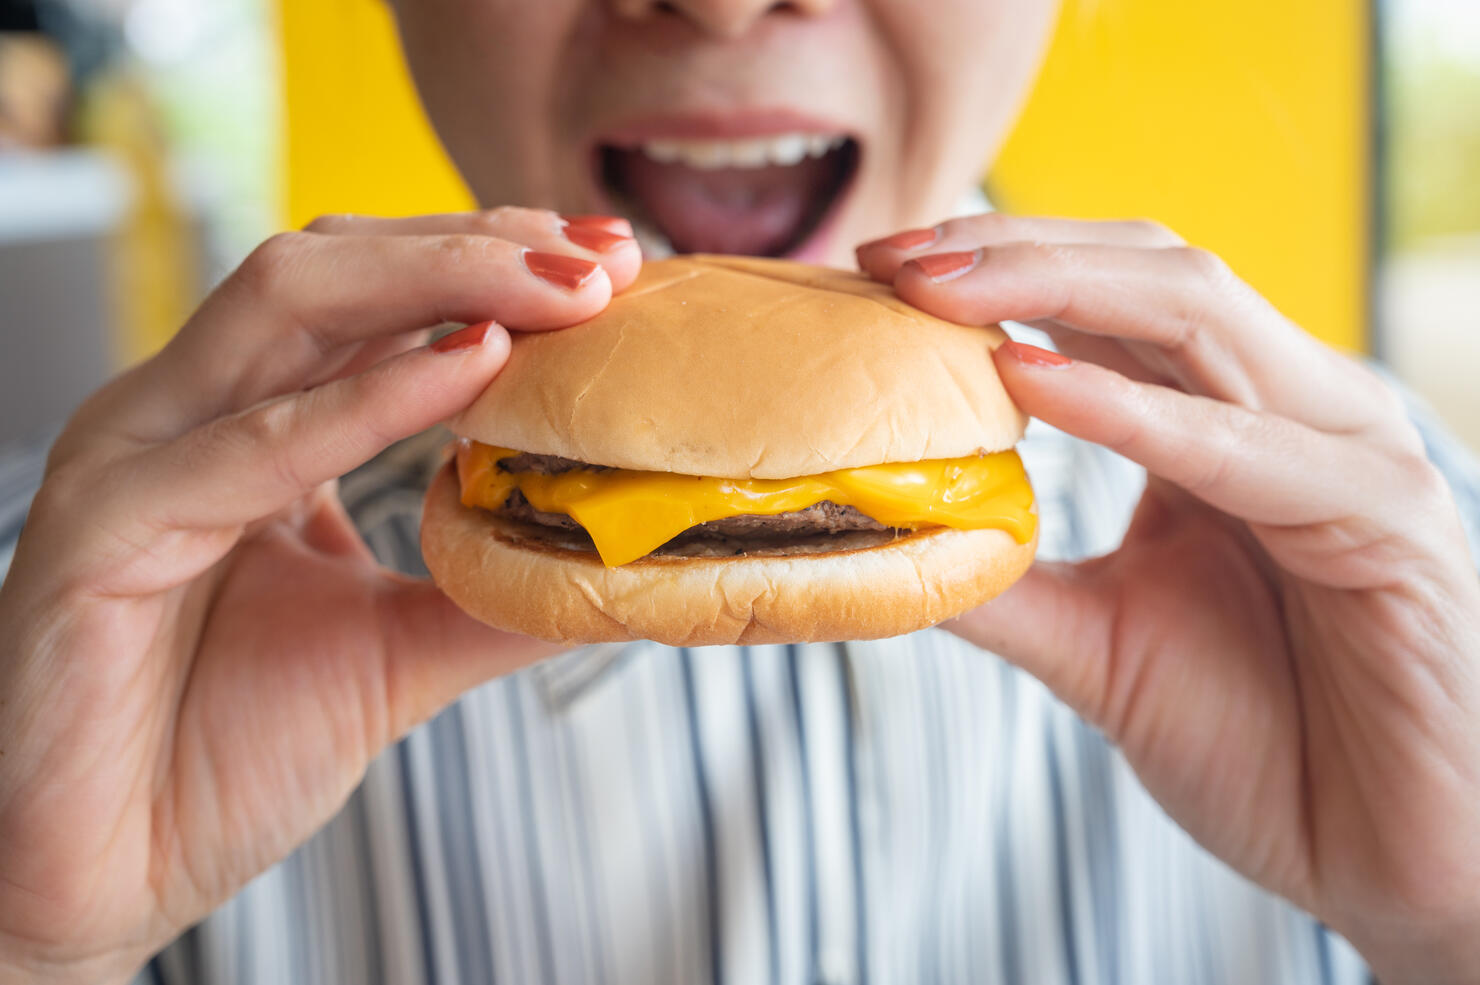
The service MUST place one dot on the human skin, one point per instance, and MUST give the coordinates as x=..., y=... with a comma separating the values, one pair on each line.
x=200, y=657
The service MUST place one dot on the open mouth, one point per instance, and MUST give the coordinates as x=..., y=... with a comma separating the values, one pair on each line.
x=760, y=196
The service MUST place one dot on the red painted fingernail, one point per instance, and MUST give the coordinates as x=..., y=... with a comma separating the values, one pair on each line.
x=910, y=239
x=941, y=267
x=595, y=238
x=1035, y=355
x=558, y=269
x=464, y=338
x=611, y=223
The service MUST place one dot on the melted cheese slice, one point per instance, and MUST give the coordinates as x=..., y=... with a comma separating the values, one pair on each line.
x=630, y=514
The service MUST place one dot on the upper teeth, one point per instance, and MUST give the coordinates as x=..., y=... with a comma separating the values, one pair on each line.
x=755, y=152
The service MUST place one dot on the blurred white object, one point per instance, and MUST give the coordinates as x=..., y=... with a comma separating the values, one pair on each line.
x=1431, y=314
x=169, y=31
x=58, y=214
x=60, y=195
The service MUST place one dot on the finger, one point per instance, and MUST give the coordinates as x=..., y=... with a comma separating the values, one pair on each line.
x=882, y=258
x=1107, y=352
x=357, y=359
x=504, y=222
x=325, y=525
x=1256, y=466
x=605, y=239
x=1055, y=622
x=1180, y=311
x=236, y=469
x=301, y=299
x=130, y=413
x=435, y=651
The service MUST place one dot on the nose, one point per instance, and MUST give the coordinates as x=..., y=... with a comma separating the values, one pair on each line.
x=727, y=19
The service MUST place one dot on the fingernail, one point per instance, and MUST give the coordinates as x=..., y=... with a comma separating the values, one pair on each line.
x=464, y=338
x=611, y=223
x=558, y=269
x=910, y=239
x=1034, y=355
x=595, y=238
x=941, y=267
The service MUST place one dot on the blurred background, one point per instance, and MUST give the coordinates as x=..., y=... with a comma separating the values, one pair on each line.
x=1329, y=149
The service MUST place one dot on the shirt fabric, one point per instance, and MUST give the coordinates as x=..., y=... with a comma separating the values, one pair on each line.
x=910, y=810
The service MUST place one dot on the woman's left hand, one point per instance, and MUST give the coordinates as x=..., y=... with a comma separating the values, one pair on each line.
x=1287, y=644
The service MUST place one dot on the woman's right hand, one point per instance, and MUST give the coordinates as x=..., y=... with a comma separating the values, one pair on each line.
x=198, y=654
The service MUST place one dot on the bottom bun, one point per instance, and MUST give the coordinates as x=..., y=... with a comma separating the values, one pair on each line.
x=502, y=576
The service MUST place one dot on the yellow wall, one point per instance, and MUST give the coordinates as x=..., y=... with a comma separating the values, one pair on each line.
x=1240, y=123
x=357, y=140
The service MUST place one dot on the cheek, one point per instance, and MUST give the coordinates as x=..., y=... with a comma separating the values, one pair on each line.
x=962, y=68
x=481, y=54
x=957, y=55
x=487, y=71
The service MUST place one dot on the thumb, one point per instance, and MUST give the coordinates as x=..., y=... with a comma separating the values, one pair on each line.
x=435, y=652
x=1056, y=623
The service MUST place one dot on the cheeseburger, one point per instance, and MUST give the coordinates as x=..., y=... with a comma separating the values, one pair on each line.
x=736, y=451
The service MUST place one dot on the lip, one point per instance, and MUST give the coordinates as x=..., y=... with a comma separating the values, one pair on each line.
x=730, y=125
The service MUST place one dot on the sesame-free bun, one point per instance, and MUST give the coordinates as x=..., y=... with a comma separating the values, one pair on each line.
x=492, y=570
x=734, y=368
x=749, y=368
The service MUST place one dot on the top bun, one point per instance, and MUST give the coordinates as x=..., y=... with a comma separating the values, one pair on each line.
x=748, y=368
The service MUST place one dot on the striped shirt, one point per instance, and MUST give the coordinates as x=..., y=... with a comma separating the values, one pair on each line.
x=910, y=810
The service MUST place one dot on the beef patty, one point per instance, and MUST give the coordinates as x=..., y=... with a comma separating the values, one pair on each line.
x=736, y=533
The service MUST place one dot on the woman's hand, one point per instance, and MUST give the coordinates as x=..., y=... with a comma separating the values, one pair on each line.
x=1287, y=644
x=198, y=655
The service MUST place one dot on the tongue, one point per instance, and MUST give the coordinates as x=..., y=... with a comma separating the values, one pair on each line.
x=755, y=211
